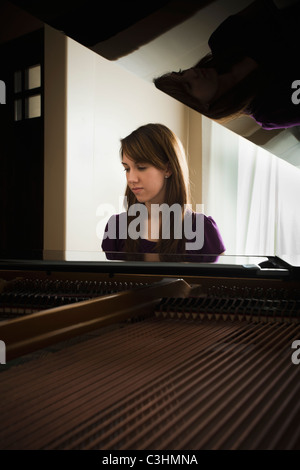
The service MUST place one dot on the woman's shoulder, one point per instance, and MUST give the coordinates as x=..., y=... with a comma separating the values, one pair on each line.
x=115, y=226
x=211, y=235
x=117, y=217
x=113, y=237
x=207, y=219
x=116, y=220
x=199, y=222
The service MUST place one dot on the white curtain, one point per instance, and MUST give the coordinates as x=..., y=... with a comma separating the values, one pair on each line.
x=256, y=200
x=253, y=195
x=288, y=209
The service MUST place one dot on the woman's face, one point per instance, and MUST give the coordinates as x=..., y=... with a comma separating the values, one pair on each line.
x=200, y=83
x=147, y=182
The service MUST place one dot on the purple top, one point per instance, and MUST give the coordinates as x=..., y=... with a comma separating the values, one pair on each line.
x=205, y=237
x=272, y=40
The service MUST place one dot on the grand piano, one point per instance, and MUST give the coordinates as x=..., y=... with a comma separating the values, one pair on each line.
x=178, y=355
x=140, y=355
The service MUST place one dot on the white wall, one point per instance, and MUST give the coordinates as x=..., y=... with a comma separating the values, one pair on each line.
x=105, y=102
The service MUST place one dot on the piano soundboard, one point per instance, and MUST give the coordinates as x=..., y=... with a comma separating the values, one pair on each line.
x=122, y=361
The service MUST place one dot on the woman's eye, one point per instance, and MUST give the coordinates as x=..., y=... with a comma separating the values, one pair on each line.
x=139, y=168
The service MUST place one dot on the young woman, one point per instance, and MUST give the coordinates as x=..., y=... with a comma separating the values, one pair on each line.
x=158, y=218
x=252, y=69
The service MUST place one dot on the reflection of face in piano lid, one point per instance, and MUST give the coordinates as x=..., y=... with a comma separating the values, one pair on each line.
x=200, y=83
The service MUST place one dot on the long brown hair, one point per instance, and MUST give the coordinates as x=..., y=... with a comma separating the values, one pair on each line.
x=157, y=145
x=235, y=102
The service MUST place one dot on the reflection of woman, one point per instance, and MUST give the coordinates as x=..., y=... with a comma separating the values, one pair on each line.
x=254, y=61
x=157, y=177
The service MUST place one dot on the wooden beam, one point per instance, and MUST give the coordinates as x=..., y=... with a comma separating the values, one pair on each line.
x=38, y=330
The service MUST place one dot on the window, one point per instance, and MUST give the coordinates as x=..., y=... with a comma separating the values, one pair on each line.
x=27, y=93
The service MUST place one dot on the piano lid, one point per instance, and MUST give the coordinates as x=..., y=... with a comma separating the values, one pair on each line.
x=152, y=38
